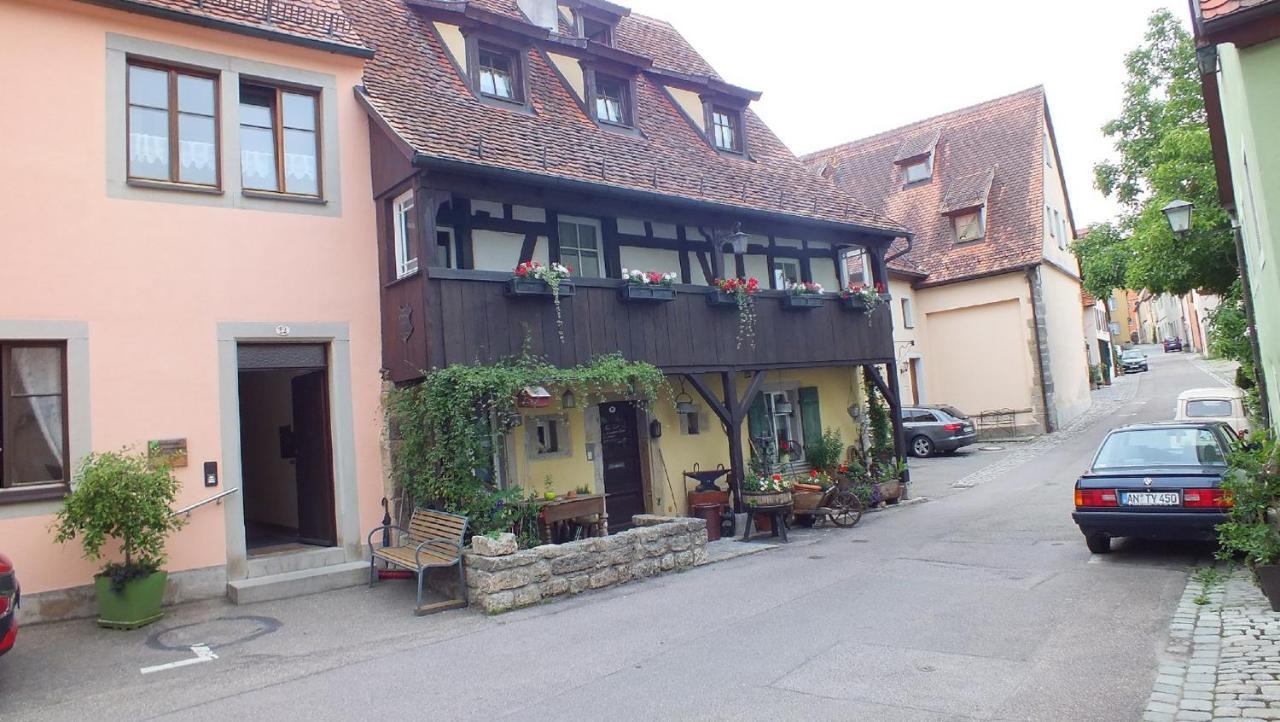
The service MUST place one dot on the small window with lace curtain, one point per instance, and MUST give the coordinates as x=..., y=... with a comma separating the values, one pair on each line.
x=33, y=419
x=279, y=140
x=172, y=125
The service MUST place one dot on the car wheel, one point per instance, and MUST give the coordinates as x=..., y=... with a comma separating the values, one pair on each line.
x=921, y=446
x=1098, y=543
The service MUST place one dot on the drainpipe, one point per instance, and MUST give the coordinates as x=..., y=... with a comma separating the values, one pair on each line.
x=1036, y=285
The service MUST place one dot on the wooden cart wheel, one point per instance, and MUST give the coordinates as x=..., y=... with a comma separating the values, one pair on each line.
x=846, y=509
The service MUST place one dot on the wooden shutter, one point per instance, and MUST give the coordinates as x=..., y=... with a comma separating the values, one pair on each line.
x=810, y=418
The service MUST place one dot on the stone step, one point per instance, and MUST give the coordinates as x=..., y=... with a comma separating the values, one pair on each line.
x=298, y=583
x=294, y=561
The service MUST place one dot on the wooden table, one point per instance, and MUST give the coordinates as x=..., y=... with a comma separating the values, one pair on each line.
x=779, y=514
x=564, y=509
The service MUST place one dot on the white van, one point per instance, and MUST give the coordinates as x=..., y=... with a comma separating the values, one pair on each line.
x=1217, y=404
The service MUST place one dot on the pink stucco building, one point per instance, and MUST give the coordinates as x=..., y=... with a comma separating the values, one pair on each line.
x=185, y=256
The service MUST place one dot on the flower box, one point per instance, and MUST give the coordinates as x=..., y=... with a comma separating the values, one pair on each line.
x=885, y=297
x=806, y=501
x=536, y=287
x=757, y=499
x=647, y=293
x=802, y=302
x=719, y=299
x=855, y=303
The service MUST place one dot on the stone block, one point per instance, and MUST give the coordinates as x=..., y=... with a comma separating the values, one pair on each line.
x=649, y=534
x=550, y=551
x=684, y=559
x=625, y=572
x=681, y=542
x=497, y=564
x=656, y=547
x=539, y=571
x=501, y=581
x=651, y=519
x=579, y=583
x=498, y=603
x=699, y=556
x=526, y=596
x=572, y=563
x=603, y=578
x=554, y=587
x=667, y=562
x=645, y=568
x=503, y=546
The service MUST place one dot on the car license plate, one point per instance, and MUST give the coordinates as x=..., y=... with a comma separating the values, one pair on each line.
x=1150, y=498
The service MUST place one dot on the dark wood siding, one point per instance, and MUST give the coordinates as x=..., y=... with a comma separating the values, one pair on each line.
x=472, y=319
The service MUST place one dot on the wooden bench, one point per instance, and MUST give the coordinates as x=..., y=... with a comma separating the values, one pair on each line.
x=433, y=539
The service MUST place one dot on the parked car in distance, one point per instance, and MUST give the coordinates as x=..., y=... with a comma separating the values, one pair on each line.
x=1133, y=360
x=1173, y=344
x=931, y=429
x=1155, y=481
x=1224, y=404
x=10, y=595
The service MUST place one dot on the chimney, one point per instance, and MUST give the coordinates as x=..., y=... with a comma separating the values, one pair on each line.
x=543, y=13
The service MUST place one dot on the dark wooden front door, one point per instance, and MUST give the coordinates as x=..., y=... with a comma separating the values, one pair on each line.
x=623, y=479
x=314, y=461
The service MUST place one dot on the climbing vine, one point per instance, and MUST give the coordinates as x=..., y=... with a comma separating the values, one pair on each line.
x=451, y=423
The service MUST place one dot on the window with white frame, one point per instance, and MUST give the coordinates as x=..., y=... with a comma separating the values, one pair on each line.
x=857, y=267
x=908, y=314
x=970, y=225
x=580, y=246
x=783, y=414
x=786, y=271
x=405, y=228
x=547, y=437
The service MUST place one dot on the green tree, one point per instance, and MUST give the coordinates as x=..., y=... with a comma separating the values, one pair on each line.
x=1162, y=142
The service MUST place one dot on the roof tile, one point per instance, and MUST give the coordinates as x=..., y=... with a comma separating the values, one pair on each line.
x=322, y=20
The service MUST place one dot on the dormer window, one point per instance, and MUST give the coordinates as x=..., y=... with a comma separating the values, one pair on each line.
x=919, y=169
x=970, y=225
x=595, y=30
x=612, y=100
x=726, y=128
x=498, y=73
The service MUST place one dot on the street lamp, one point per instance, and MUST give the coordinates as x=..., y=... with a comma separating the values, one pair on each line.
x=1178, y=213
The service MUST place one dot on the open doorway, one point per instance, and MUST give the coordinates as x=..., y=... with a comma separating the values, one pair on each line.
x=286, y=459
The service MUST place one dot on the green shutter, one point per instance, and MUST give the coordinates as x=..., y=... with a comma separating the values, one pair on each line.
x=810, y=418
x=757, y=422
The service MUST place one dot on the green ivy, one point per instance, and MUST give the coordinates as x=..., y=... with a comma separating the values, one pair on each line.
x=882, y=447
x=452, y=421
x=1254, y=485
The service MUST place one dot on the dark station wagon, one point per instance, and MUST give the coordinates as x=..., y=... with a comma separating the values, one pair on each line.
x=1155, y=481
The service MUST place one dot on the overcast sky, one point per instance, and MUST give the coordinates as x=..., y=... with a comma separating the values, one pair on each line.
x=837, y=70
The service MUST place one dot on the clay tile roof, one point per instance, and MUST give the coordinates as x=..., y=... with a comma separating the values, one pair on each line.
x=918, y=145
x=1086, y=299
x=967, y=192
x=991, y=151
x=1214, y=9
x=312, y=20
x=413, y=86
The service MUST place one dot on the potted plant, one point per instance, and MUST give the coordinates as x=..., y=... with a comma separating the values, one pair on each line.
x=648, y=286
x=1252, y=529
x=532, y=278
x=123, y=496
x=863, y=298
x=803, y=296
x=738, y=293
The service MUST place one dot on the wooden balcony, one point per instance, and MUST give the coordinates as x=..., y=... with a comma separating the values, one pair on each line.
x=467, y=316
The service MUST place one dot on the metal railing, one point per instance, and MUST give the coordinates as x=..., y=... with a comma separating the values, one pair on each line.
x=216, y=498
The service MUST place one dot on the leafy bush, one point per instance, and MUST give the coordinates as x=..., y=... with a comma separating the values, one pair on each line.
x=826, y=453
x=125, y=496
x=1254, y=485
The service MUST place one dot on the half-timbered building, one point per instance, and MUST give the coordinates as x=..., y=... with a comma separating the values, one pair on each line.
x=577, y=132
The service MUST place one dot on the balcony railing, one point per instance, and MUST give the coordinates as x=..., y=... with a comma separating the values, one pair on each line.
x=469, y=317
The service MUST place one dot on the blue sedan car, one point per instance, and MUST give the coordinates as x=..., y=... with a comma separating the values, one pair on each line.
x=1155, y=481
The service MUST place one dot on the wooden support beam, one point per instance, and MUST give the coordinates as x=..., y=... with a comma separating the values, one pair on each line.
x=890, y=392
x=749, y=395
x=737, y=460
x=716, y=406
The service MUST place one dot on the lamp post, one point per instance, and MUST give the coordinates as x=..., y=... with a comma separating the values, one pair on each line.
x=1178, y=213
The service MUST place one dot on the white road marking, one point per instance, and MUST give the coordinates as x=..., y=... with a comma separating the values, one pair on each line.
x=202, y=652
x=1094, y=559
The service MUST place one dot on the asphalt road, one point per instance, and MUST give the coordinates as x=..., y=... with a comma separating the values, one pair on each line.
x=981, y=604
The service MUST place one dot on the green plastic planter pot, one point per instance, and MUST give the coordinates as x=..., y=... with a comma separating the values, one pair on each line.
x=137, y=606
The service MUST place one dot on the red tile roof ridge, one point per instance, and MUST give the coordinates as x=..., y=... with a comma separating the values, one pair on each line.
x=892, y=133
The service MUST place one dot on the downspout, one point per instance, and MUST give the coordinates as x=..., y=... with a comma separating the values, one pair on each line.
x=911, y=240
x=1036, y=286
x=1246, y=292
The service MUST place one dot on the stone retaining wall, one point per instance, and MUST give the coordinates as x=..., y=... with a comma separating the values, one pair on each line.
x=657, y=544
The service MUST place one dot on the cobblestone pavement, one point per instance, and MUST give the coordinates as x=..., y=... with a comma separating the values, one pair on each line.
x=1105, y=402
x=1223, y=657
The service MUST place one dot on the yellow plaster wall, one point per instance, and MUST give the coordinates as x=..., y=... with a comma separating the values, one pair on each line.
x=691, y=104
x=454, y=43
x=909, y=343
x=1067, y=354
x=567, y=472
x=571, y=69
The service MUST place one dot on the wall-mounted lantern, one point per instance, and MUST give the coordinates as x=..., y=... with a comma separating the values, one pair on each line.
x=568, y=400
x=1178, y=213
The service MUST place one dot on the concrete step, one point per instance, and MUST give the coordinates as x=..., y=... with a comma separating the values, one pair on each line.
x=298, y=583
x=295, y=561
